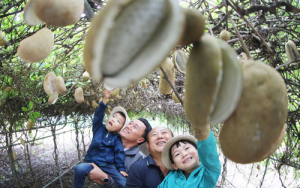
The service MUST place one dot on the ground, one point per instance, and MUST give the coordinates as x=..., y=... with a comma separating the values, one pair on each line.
x=43, y=164
x=45, y=170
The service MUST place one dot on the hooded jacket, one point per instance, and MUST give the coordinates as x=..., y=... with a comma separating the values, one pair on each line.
x=106, y=147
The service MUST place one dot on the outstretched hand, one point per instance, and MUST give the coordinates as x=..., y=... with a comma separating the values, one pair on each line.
x=124, y=173
x=107, y=93
x=201, y=132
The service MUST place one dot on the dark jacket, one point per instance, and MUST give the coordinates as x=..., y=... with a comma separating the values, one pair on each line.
x=144, y=174
x=132, y=155
x=106, y=147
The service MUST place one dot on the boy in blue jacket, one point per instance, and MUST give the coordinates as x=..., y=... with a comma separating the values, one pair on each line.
x=106, y=149
x=182, y=155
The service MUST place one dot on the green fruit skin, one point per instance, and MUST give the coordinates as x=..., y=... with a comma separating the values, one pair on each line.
x=203, y=74
x=249, y=134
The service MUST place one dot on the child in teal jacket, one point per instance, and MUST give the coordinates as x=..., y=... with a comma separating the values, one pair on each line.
x=182, y=155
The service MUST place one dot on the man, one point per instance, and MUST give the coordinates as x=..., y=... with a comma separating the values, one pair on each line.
x=150, y=171
x=132, y=135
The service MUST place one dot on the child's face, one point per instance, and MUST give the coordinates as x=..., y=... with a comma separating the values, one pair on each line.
x=115, y=122
x=185, y=157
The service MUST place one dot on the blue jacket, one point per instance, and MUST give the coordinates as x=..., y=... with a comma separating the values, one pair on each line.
x=205, y=176
x=132, y=155
x=106, y=147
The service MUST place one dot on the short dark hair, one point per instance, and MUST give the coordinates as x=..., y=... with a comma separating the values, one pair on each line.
x=147, y=130
x=178, y=144
x=122, y=114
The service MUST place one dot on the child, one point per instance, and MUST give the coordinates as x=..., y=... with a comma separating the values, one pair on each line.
x=181, y=156
x=106, y=149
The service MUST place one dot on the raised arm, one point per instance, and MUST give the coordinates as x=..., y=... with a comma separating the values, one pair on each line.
x=208, y=155
x=100, y=112
x=107, y=93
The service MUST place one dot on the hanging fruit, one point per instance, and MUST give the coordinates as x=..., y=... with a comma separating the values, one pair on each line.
x=22, y=141
x=79, y=95
x=30, y=124
x=164, y=86
x=180, y=59
x=95, y=104
x=225, y=35
x=86, y=76
x=291, y=51
x=175, y=98
x=14, y=154
x=231, y=85
x=2, y=39
x=123, y=35
x=115, y=92
x=59, y=85
x=256, y=127
x=194, y=26
x=49, y=83
x=7, y=90
x=144, y=85
x=53, y=98
x=203, y=77
x=53, y=12
x=36, y=47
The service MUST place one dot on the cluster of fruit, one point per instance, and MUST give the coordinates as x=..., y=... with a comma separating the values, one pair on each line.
x=129, y=39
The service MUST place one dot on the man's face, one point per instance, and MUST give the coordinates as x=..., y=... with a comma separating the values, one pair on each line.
x=134, y=131
x=157, y=139
x=185, y=157
x=115, y=122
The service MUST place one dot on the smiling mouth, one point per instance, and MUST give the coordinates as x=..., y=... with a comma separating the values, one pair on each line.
x=126, y=131
x=160, y=143
x=187, y=160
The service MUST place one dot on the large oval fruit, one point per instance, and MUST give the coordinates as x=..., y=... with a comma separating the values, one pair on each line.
x=36, y=47
x=249, y=134
x=128, y=39
x=231, y=86
x=53, y=12
x=203, y=76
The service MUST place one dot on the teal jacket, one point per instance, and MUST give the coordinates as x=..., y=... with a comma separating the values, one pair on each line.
x=205, y=176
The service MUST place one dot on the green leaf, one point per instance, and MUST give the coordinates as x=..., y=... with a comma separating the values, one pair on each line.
x=68, y=83
x=30, y=105
x=24, y=109
x=32, y=118
x=36, y=114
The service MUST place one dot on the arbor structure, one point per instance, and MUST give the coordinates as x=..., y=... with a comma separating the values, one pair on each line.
x=264, y=26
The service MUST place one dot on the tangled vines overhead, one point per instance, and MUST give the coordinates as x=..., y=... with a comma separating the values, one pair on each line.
x=264, y=26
